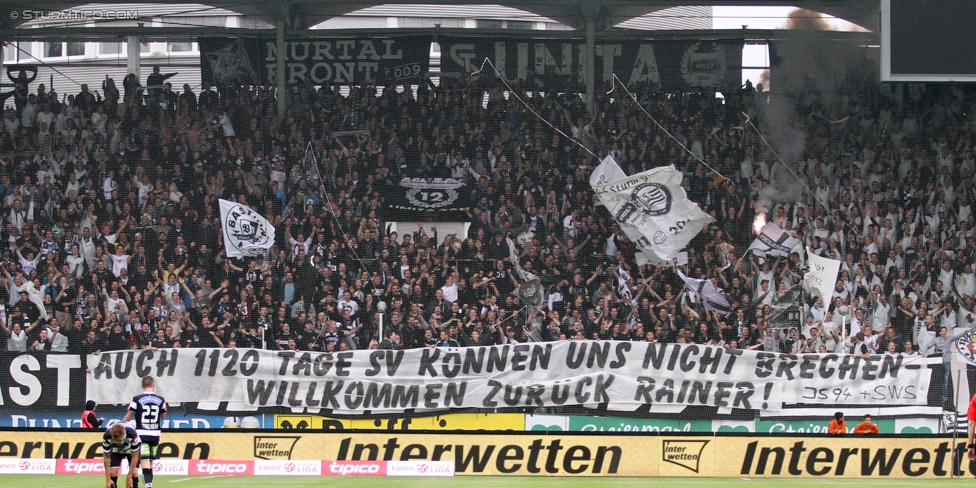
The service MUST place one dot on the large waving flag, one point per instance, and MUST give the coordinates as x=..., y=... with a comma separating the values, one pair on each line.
x=246, y=232
x=821, y=276
x=785, y=312
x=774, y=241
x=607, y=172
x=680, y=259
x=651, y=207
x=712, y=297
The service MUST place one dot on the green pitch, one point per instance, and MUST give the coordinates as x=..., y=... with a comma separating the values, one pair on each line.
x=86, y=481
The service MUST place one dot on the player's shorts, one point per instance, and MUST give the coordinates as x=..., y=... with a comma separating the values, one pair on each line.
x=150, y=450
x=117, y=457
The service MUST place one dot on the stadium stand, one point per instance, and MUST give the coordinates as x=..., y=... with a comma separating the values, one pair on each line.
x=111, y=236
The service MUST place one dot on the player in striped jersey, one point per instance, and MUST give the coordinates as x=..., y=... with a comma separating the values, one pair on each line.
x=148, y=409
x=121, y=442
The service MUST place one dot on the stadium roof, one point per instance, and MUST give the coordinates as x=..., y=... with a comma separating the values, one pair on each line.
x=298, y=14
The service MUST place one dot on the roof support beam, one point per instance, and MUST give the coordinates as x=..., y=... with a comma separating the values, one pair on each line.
x=133, y=56
x=589, y=68
x=591, y=12
x=162, y=34
x=311, y=12
x=280, y=76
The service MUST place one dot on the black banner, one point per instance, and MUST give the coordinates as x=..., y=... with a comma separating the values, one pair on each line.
x=558, y=63
x=440, y=199
x=47, y=381
x=785, y=312
x=377, y=60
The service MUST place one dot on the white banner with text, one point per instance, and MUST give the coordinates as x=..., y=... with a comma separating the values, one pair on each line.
x=622, y=375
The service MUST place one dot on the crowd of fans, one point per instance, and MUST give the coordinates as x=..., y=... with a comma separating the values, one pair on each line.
x=111, y=232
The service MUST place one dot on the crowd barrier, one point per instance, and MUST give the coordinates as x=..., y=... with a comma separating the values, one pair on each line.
x=921, y=420
x=911, y=421
x=525, y=454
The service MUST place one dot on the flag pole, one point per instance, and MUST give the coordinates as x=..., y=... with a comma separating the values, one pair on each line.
x=843, y=330
x=800, y=296
x=800, y=302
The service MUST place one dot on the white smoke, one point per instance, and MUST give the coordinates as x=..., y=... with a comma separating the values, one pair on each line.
x=807, y=72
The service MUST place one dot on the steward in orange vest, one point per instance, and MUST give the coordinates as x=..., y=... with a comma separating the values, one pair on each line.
x=88, y=418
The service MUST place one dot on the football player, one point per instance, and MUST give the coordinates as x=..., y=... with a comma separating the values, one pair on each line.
x=148, y=409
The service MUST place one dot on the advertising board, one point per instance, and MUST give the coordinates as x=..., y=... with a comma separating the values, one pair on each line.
x=524, y=454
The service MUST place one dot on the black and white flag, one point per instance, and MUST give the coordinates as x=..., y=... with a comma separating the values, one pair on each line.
x=774, y=241
x=711, y=297
x=437, y=199
x=651, y=207
x=532, y=293
x=785, y=312
x=246, y=232
x=680, y=259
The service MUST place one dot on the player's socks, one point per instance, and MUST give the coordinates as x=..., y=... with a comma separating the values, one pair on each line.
x=115, y=481
x=135, y=482
x=147, y=476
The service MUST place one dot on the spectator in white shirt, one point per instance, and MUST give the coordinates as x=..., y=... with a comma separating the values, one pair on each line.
x=59, y=343
x=16, y=335
x=347, y=303
x=450, y=290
